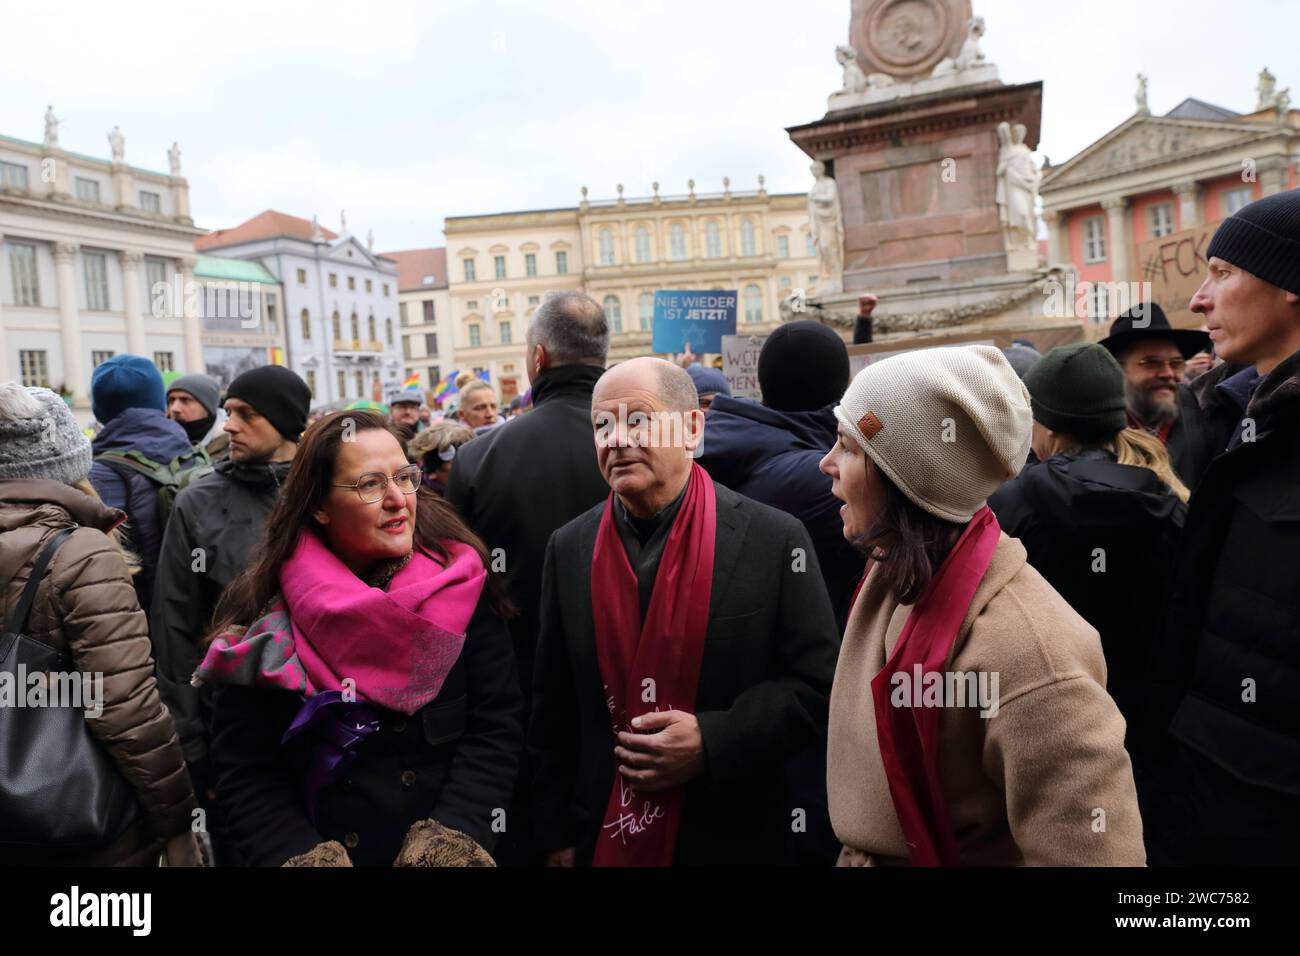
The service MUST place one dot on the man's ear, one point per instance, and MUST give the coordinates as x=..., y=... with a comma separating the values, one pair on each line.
x=539, y=356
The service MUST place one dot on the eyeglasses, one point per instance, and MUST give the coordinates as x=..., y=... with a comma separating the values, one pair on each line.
x=372, y=486
x=1152, y=364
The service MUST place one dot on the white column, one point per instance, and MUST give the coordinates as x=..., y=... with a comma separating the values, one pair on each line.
x=1058, y=237
x=70, y=324
x=190, y=318
x=1117, y=219
x=1189, y=203
x=131, y=295
x=4, y=341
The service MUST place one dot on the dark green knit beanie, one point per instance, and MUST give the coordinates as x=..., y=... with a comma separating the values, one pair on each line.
x=1078, y=390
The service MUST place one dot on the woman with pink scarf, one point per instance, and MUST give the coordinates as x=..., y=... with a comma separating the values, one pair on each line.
x=366, y=708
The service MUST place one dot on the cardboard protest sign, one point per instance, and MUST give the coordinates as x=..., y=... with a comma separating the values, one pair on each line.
x=740, y=364
x=700, y=318
x=1175, y=265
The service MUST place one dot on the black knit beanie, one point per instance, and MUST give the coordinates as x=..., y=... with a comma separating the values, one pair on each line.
x=279, y=396
x=803, y=366
x=1264, y=239
x=1078, y=390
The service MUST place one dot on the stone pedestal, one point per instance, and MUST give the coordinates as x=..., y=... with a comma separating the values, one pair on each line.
x=917, y=180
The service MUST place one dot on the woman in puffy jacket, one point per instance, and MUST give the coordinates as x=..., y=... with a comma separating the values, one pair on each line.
x=87, y=606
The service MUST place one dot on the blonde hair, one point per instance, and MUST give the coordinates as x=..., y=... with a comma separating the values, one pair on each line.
x=1139, y=449
x=115, y=534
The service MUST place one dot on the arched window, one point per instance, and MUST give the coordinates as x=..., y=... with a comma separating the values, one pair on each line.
x=356, y=327
x=642, y=244
x=677, y=241
x=606, y=247
x=753, y=304
x=646, y=306
x=337, y=325
x=747, y=245
x=613, y=312
x=712, y=240
x=306, y=324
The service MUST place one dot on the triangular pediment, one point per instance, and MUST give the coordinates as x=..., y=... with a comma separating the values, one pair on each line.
x=1144, y=141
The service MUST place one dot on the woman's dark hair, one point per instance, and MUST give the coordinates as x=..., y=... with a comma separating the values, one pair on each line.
x=907, y=542
x=309, y=481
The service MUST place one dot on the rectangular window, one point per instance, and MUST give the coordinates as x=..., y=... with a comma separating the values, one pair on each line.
x=404, y=314
x=471, y=305
x=1162, y=219
x=352, y=283
x=164, y=361
x=530, y=264
x=406, y=347
x=810, y=249
x=99, y=357
x=562, y=263
x=429, y=317
x=783, y=247
x=475, y=336
x=1094, y=239
x=311, y=380
x=360, y=379
x=343, y=384
x=1234, y=200
x=34, y=367
x=431, y=343
x=1098, y=303
x=87, y=190
x=499, y=264
x=370, y=286
x=533, y=300
x=13, y=176
x=505, y=333
x=95, y=266
x=385, y=290
x=435, y=375
x=22, y=266
x=272, y=320
x=150, y=202
x=302, y=276
x=468, y=265
x=334, y=280
x=155, y=272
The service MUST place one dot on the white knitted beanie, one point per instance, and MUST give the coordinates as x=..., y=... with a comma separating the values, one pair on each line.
x=948, y=425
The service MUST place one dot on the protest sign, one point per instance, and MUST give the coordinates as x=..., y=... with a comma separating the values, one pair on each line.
x=740, y=364
x=697, y=318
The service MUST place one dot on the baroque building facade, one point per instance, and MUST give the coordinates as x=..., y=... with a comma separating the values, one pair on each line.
x=620, y=252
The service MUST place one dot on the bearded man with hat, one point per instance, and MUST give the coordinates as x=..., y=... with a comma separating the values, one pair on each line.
x=1228, y=690
x=1153, y=356
x=194, y=403
x=215, y=525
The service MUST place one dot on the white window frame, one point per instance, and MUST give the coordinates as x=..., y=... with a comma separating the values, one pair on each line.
x=748, y=238
x=712, y=240
x=1094, y=239
x=14, y=176
x=753, y=303
x=34, y=367
x=613, y=307
x=26, y=273
x=150, y=201
x=605, y=242
x=677, y=242
x=1234, y=200
x=87, y=189
x=783, y=247
x=94, y=268
x=1161, y=219
x=642, y=244
x=646, y=310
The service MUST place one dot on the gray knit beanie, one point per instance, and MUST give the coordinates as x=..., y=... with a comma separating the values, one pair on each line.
x=39, y=438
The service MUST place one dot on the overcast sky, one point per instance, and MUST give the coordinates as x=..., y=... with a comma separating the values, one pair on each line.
x=403, y=113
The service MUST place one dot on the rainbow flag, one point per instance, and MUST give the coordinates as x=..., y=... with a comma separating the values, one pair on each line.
x=448, y=386
x=411, y=381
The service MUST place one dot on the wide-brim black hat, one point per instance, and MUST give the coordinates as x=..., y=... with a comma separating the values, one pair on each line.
x=1148, y=321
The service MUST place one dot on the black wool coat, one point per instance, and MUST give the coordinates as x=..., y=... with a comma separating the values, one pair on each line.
x=453, y=761
x=769, y=658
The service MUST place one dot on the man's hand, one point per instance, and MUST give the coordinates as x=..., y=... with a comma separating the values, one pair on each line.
x=565, y=857
x=667, y=753
x=866, y=305
x=686, y=359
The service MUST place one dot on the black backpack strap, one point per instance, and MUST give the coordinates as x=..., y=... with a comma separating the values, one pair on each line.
x=18, y=623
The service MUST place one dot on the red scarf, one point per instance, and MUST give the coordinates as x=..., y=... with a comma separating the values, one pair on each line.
x=641, y=829
x=1161, y=431
x=908, y=736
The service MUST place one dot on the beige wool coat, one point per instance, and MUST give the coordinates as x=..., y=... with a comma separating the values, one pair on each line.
x=1044, y=782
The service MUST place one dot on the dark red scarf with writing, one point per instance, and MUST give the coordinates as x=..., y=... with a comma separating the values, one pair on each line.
x=641, y=829
x=908, y=736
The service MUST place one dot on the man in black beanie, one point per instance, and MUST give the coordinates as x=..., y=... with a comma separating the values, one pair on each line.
x=771, y=452
x=214, y=529
x=1228, y=678
x=193, y=402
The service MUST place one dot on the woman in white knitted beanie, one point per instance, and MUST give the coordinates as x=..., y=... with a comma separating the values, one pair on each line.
x=969, y=720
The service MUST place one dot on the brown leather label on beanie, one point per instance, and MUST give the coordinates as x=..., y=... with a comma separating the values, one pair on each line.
x=870, y=425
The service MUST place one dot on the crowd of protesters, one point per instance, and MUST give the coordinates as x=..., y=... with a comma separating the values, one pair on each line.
x=968, y=607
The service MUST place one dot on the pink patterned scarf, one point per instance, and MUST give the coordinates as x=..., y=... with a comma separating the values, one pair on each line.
x=329, y=630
